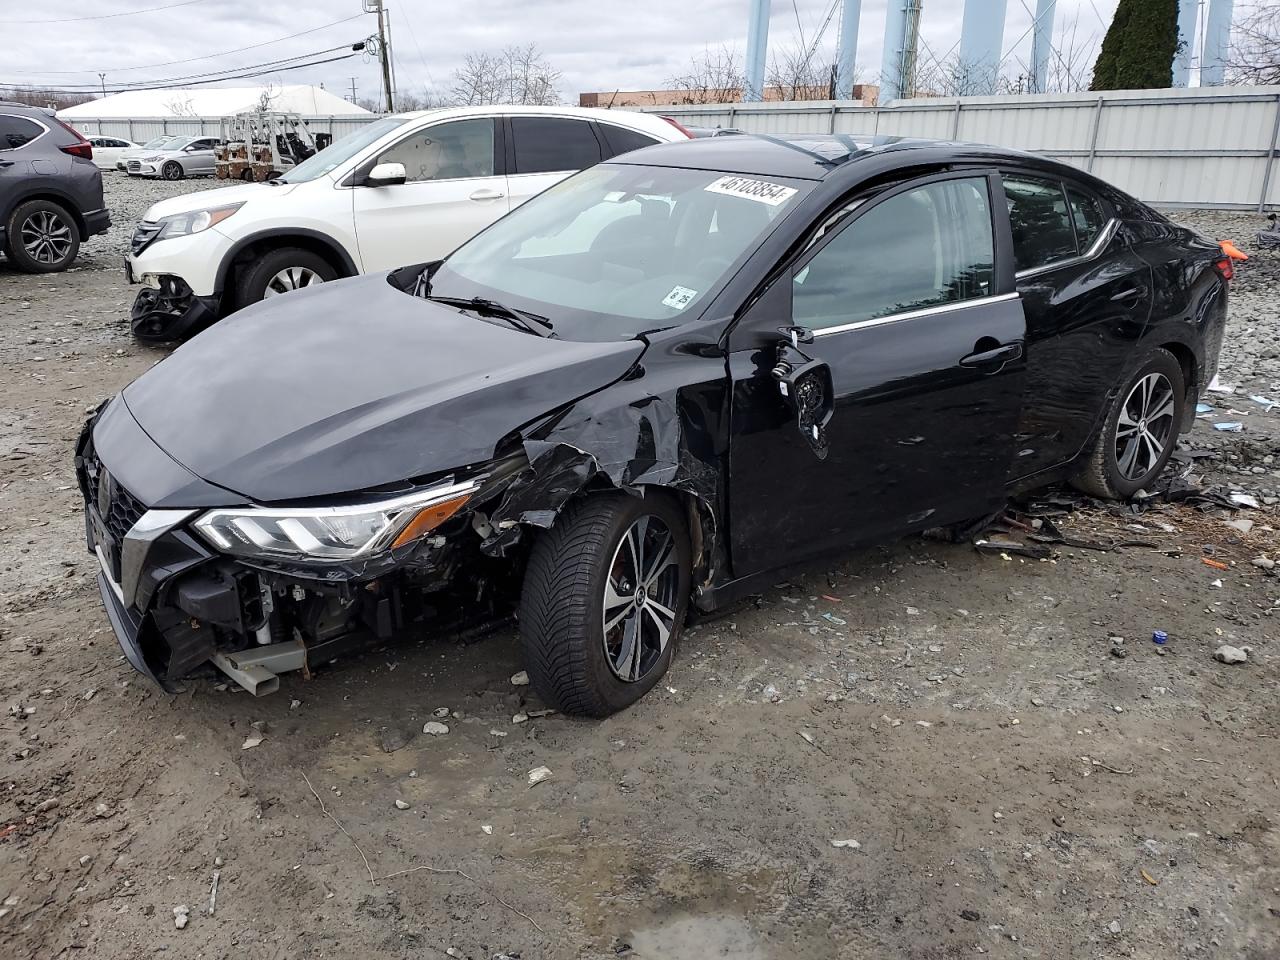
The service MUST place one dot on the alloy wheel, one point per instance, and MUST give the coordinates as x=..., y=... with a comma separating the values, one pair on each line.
x=46, y=237
x=640, y=598
x=172, y=171
x=291, y=278
x=1145, y=427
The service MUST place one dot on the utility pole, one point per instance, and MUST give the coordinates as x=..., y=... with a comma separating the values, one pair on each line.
x=384, y=50
x=102, y=78
x=353, y=89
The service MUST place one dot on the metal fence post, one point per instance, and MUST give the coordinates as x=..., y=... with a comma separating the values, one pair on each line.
x=1272, y=150
x=831, y=121
x=955, y=122
x=1093, y=135
x=732, y=112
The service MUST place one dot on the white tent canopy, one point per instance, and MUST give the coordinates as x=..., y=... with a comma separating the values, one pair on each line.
x=309, y=101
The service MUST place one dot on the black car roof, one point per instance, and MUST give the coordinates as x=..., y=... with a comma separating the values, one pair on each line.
x=813, y=156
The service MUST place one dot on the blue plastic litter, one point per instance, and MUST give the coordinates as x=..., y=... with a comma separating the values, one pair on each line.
x=1229, y=427
x=1203, y=408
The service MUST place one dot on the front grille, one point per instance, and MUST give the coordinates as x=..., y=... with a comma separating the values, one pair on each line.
x=135, y=165
x=119, y=509
x=143, y=234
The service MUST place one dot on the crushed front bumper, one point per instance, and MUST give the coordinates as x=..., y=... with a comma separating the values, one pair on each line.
x=170, y=313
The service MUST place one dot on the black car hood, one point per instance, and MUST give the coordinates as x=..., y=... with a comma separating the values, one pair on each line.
x=354, y=385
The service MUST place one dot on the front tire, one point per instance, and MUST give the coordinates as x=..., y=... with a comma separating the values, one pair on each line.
x=1140, y=431
x=171, y=170
x=42, y=237
x=604, y=600
x=281, y=271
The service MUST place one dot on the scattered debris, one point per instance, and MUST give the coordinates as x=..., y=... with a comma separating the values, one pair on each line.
x=488, y=829
x=1229, y=654
x=435, y=728
x=252, y=741
x=538, y=774
x=1150, y=879
x=846, y=844
x=401, y=805
x=213, y=890
x=1232, y=426
x=520, y=679
x=1216, y=564
x=1245, y=500
x=440, y=712
x=520, y=717
x=832, y=618
x=180, y=914
x=973, y=916
x=1159, y=637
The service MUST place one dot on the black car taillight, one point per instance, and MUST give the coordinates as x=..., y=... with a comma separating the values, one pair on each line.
x=81, y=148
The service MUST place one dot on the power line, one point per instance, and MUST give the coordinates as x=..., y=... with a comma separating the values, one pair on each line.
x=212, y=74
x=171, y=63
x=163, y=85
x=109, y=16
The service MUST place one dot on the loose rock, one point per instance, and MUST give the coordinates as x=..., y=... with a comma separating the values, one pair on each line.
x=1229, y=654
x=435, y=728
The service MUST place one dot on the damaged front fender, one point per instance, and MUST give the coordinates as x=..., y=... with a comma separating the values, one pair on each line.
x=644, y=431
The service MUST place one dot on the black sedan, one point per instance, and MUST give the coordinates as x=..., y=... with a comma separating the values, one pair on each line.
x=649, y=388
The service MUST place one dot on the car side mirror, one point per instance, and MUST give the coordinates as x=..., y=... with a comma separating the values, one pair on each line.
x=386, y=175
x=806, y=388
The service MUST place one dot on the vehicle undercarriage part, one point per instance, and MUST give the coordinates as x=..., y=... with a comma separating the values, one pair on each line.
x=257, y=669
x=172, y=312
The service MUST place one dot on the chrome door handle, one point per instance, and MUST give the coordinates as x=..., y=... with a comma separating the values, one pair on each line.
x=1132, y=294
x=487, y=194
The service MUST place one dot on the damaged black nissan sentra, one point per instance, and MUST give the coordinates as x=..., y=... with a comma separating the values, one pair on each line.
x=650, y=387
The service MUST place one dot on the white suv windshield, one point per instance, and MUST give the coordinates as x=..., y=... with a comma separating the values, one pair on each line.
x=341, y=150
x=620, y=249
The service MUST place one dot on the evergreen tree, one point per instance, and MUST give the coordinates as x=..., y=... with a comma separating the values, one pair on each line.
x=1137, y=52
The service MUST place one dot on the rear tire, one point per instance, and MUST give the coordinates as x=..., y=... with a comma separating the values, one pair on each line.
x=579, y=576
x=171, y=170
x=282, y=270
x=1140, y=431
x=41, y=237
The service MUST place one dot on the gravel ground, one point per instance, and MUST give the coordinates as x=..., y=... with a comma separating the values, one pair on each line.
x=1024, y=773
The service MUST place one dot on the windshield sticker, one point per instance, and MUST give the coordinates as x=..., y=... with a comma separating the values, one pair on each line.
x=762, y=191
x=679, y=297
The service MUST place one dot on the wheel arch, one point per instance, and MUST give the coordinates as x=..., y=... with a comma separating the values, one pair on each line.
x=53, y=196
x=258, y=243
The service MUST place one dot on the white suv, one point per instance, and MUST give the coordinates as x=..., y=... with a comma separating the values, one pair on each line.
x=403, y=189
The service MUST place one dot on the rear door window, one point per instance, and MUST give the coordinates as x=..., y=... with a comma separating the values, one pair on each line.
x=622, y=140
x=1041, y=222
x=1087, y=214
x=553, y=144
x=17, y=132
x=922, y=248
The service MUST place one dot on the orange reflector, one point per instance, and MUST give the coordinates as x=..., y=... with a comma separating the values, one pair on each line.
x=1232, y=251
x=429, y=518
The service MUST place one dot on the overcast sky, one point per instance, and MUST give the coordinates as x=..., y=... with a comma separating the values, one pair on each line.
x=596, y=44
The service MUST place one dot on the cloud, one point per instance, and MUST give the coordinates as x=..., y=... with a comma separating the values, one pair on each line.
x=596, y=44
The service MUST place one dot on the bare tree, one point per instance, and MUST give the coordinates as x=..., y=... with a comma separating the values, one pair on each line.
x=516, y=74
x=44, y=97
x=1255, y=50
x=180, y=105
x=714, y=76
x=267, y=96
x=798, y=74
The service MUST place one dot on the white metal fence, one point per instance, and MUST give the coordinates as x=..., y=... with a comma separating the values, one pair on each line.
x=142, y=129
x=1207, y=147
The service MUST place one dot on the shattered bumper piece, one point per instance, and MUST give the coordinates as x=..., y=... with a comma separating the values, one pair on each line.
x=171, y=313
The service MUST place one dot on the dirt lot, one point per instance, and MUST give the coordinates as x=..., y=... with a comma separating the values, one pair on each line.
x=1024, y=772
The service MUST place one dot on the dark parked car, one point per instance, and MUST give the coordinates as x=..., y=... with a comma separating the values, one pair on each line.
x=50, y=190
x=652, y=386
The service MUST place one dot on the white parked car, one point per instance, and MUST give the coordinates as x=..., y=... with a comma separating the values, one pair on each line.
x=137, y=153
x=109, y=151
x=403, y=189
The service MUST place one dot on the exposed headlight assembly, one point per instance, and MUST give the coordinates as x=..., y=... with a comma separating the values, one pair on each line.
x=194, y=221
x=327, y=534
